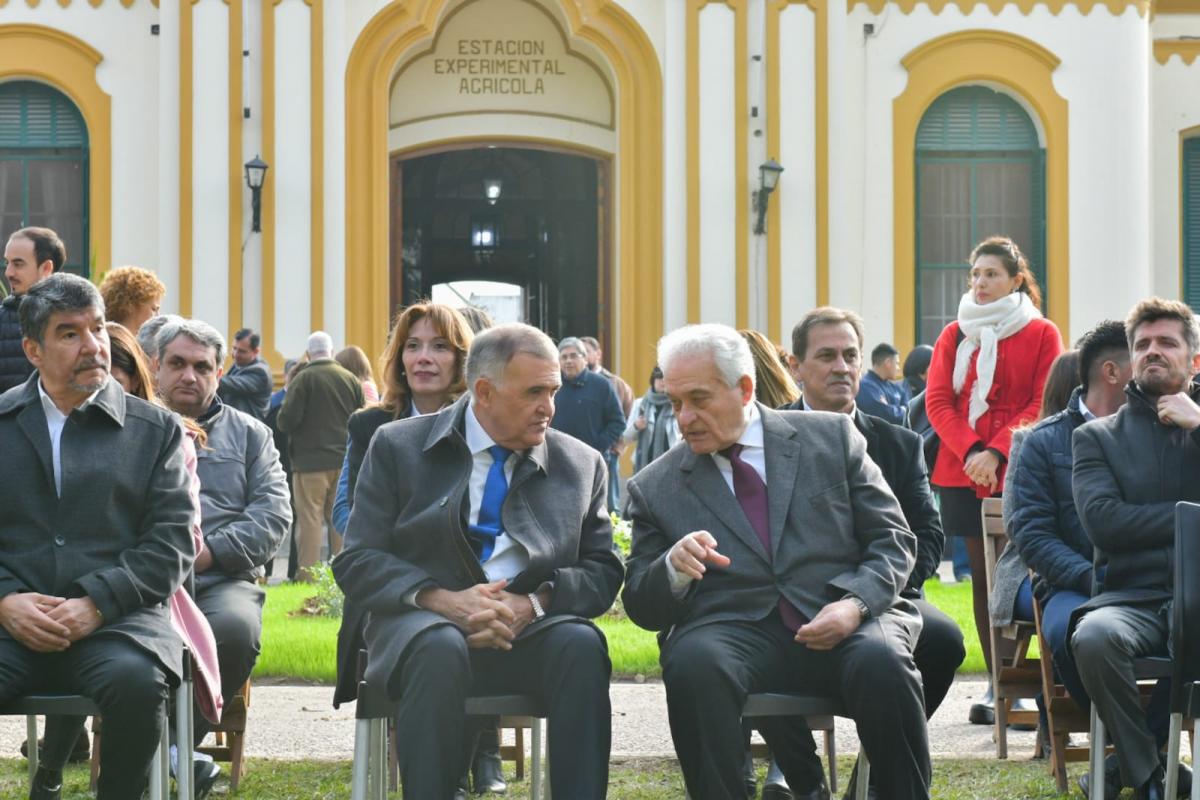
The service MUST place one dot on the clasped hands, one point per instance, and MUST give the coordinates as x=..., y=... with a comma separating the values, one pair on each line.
x=48, y=624
x=982, y=467
x=490, y=616
x=833, y=623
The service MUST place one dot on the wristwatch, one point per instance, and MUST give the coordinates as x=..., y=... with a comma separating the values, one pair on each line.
x=538, y=611
x=864, y=611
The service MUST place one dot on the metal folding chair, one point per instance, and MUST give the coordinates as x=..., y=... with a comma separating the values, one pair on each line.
x=1185, y=667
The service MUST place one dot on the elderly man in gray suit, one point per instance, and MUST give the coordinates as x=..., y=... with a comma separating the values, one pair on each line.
x=480, y=545
x=770, y=553
x=95, y=535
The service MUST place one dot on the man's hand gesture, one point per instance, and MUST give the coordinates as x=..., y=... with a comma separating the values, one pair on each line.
x=26, y=616
x=1179, y=410
x=691, y=553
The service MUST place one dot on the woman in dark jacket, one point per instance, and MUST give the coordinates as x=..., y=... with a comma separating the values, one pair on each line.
x=985, y=380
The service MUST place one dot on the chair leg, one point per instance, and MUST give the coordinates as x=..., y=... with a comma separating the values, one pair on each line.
x=831, y=755
x=1096, y=755
x=237, y=765
x=1058, y=761
x=535, y=777
x=520, y=751
x=360, y=768
x=32, y=746
x=1195, y=758
x=380, y=759
x=546, y=764
x=160, y=766
x=1176, y=733
x=393, y=758
x=94, y=761
x=183, y=741
x=1001, y=726
x=864, y=776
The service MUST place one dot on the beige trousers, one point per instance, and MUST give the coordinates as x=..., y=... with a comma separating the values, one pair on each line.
x=314, y=493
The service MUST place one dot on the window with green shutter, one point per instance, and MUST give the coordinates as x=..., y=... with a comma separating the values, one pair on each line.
x=1191, y=223
x=979, y=171
x=44, y=166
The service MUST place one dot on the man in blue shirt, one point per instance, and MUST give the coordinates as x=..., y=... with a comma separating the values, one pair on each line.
x=881, y=394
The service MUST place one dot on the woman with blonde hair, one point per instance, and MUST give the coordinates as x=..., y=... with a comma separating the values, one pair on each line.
x=355, y=360
x=131, y=295
x=773, y=386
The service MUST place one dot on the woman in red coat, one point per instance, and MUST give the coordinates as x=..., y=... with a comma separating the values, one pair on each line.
x=985, y=380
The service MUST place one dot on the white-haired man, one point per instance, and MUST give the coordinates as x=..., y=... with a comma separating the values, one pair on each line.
x=771, y=552
x=315, y=414
x=481, y=547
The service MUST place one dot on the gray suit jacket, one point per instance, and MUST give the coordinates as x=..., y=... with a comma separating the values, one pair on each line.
x=121, y=532
x=407, y=531
x=836, y=529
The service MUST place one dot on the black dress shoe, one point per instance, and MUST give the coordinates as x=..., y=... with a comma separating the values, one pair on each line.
x=983, y=712
x=1112, y=780
x=748, y=777
x=47, y=784
x=775, y=787
x=204, y=777
x=79, y=754
x=487, y=773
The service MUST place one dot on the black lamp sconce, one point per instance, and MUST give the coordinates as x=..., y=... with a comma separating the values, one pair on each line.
x=256, y=173
x=768, y=179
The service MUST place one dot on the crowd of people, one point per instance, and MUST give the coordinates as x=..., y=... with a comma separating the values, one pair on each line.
x=787, y=508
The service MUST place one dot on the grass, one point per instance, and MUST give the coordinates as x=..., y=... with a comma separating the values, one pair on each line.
x=641, y=779
x=303, y=647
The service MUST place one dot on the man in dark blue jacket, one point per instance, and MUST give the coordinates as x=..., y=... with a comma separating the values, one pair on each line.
x=30, y=256
x=1045, y=524
x=586, y=406
x=880, y=394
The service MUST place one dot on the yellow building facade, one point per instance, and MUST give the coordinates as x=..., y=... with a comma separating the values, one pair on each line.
x=601, y=158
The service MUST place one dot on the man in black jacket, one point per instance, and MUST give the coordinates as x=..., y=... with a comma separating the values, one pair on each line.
x=1130, y=470
x=31, y=256
x=827, y=358
x=248, y=383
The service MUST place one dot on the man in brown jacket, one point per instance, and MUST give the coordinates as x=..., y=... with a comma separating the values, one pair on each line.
x=315, y=411
x=480, y=545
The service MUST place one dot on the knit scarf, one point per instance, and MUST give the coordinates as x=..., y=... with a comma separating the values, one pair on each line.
x=983, y=326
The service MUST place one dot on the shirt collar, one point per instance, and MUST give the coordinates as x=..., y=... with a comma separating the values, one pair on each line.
x=752, y=436
x=478, y=439
x=1088, y=416
x=48, y=403
x=807, y=407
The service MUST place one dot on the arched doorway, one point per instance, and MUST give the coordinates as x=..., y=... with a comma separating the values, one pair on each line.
x=44, y=166
x=980, y=170
x=520, y=231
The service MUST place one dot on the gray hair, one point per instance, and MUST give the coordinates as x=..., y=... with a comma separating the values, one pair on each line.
x=492, y=350
x=62, y=291
x=198, y=331
x=319, y=343
x=573, y=341
x=147, y=335
x=728, y=349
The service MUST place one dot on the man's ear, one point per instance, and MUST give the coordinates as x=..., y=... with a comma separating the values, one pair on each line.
x=45, y=269
x=746, y=384
x=793, y=365
x=33, y=351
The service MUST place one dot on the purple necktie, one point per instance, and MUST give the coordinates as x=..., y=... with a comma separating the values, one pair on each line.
x=751, y=494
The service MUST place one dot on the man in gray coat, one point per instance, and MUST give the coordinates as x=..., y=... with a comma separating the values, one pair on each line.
x=245, y=510
x=770, y=554
x=248, y=383
x=480, y=545
x=1130, y=470
x=95, y=535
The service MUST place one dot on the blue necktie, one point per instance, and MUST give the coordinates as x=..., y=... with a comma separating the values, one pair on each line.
x=495, y=488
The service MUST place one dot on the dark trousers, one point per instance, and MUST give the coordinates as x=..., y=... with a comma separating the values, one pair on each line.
x=613, y=460
x=1056, y=619
x=233, y=609
x=126, y=683
x=710, y=670
x=565, y=666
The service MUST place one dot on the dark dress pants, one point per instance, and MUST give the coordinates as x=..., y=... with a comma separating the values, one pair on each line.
x=233, y=609
x=128, y=685
x=565, y=666
x=1056, y=621
x=710, y=670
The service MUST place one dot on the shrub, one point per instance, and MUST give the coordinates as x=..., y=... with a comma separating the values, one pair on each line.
x=328, y=600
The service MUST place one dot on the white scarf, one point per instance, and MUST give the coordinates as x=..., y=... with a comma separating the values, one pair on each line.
x=983, y=326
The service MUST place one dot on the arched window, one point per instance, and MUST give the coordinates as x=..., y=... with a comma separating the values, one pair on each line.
x=1191, y=222
x=44, y=166
x=979, y=171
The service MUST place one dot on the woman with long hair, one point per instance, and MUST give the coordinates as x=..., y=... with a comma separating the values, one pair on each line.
x=355, y=360
x=652, y=428
x=986, y=379
x=773, y=386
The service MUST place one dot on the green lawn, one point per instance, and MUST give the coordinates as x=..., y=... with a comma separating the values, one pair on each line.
x=303, y=647
x=643, y=779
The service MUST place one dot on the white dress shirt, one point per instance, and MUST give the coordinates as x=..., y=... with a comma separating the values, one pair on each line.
x=55, y=422
x=754, y=454
x=509, y=557
x=1088, y=416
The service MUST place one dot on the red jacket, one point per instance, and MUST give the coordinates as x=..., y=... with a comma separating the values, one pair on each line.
x=1022, y=363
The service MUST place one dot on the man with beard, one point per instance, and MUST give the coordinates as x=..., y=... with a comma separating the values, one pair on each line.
x=94, y=537
x=1131, y=468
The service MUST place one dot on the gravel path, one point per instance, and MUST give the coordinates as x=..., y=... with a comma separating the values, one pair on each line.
x=298, y=723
